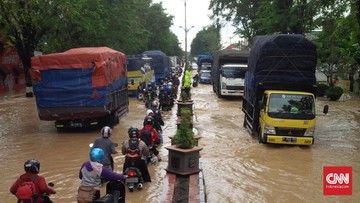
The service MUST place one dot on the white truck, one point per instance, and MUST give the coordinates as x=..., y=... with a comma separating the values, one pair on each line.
x=228, y=72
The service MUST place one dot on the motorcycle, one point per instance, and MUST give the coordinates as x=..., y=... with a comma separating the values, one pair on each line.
x=133, y=179
x=140, y=96
x=111, y=193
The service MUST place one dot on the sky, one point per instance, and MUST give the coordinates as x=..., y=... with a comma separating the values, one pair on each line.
x=197, y=15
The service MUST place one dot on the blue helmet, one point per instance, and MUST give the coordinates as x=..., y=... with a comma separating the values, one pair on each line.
x=96, y=155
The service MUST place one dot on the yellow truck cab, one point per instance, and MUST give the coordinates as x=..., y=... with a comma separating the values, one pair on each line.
x=287, y=117
x=139, y=71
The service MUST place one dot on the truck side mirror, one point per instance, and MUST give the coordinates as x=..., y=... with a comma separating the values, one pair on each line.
x=326, y=109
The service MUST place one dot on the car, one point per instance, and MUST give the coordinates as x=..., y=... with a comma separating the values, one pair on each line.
x=205, y=77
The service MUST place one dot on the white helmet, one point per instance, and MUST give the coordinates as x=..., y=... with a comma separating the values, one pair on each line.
x=154, y=104
x=106, y=131
x=148, y=112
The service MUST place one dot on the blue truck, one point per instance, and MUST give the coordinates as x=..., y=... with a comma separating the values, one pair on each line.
x=160, y=63
x=204, y=62
x=81, y=87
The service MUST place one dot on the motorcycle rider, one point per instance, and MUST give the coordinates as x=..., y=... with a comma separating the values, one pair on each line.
x=164, y=104
x=32, y=169
x=91, y=173
x=154, y=112
x=137, y=159
x=107, y=145
x=150, y=136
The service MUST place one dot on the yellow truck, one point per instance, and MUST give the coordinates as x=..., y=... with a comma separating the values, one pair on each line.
x=279, y=101
x=139, y=71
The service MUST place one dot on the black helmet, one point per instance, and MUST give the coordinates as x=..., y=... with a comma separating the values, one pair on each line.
x=32, y=166
x=149, y=120
x=133, y=132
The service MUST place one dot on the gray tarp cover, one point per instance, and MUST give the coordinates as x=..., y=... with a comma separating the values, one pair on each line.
x=283, y=58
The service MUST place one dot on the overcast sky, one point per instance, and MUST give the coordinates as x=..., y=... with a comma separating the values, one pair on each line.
x=197, y=15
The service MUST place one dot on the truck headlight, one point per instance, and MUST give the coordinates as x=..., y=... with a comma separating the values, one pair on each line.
x=269, y=129
x=309, y=132
x=223, y=85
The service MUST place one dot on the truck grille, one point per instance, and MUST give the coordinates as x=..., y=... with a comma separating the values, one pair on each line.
x=290, y=131
x=235, y=87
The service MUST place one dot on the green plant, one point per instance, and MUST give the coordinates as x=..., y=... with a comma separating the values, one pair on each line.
x=184, y=137
x=321, y=88
x=334, y=93
x=185, y=96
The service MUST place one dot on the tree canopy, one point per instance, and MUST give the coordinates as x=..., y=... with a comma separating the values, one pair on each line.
x=206, y=42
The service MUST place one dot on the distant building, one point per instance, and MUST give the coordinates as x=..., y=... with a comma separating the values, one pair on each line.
x=321, y=77
x=11, y=69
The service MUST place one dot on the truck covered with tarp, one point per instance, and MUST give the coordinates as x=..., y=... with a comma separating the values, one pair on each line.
x=279, y=101
x=81, y=87
x=204, y=62
x=228, y=72
x=160, y=64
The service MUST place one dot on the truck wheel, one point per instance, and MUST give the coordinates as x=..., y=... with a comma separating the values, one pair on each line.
x=219, y=94
x=260, y=138
x=116, y=118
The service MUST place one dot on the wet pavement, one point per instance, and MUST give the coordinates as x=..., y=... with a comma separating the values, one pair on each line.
x=236, y=168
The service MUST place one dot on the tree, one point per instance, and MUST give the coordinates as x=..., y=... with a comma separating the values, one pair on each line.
x=242, y=14
x=158, y=24
x=283, y=16
x=26, y=22
x=336, y=53
x=206, y=42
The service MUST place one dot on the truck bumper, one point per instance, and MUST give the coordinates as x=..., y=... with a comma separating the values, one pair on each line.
x=289, y=140
x=232, y=93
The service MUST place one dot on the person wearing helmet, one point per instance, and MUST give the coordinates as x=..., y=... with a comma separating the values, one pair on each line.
x=32, y=169
x=136, y=153
x=158, y=121
x=150, y=136
x=91, y=173
x=105, y=143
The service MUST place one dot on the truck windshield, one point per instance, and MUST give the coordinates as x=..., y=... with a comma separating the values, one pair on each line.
x=292, y=106
x=234, y=72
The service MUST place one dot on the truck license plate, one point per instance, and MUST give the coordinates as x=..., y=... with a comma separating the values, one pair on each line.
x=132, y=180
x=289, y=139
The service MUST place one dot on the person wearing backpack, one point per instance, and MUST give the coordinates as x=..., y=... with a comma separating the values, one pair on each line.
x=158, y=121
x=30, y=187
x=136, y=153
x=149, y=135
x=105, y=143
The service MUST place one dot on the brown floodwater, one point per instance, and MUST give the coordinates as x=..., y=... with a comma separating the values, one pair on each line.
x=236, y=167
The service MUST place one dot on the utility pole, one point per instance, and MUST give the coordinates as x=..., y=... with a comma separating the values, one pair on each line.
x=186, y=31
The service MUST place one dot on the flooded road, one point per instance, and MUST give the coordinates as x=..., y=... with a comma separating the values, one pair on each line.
x=236, y=167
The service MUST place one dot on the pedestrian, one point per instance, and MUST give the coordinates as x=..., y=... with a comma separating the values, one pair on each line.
x=91, y=174
x=105, y=143
x=31, y=187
